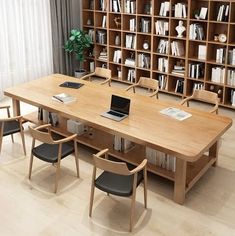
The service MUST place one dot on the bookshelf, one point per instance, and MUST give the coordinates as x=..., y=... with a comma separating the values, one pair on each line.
x=137, y=38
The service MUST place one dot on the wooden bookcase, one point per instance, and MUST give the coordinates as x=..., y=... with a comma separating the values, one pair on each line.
x=126, y=41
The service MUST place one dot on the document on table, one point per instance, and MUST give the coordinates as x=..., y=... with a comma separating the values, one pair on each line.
x=175, y=113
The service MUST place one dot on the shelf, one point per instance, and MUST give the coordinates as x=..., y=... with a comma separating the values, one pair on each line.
x=131, y=23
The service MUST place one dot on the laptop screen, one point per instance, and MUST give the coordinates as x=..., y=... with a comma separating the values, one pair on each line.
x=120, y=104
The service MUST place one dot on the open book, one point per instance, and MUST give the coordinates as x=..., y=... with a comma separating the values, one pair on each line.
x=64, y=98
x=175, y=113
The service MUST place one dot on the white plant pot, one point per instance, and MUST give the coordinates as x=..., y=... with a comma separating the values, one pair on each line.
x=79, y=73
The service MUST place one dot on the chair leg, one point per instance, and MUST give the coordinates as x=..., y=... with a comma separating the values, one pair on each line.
x=133, y=202
x=76, y=158
x=23, y=141
x=30, y=165
x=91, y=198
x=57, y=176
x=132, y=211
x=145, y=188
x=12, y=138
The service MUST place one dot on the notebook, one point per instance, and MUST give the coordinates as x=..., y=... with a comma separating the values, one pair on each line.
x=119, y=108
x=74, y=85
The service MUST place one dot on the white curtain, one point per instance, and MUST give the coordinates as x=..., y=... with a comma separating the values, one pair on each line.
x=25, y=41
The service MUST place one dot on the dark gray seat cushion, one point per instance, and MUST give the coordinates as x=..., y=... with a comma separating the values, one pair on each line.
x=11, y=127
x=49, y=152
x=115, y=184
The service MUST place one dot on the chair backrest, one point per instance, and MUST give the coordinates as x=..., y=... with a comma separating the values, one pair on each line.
x=41, y=136
x=148, y=83
x=205, y=96
x=111, y=166
x=103, y=72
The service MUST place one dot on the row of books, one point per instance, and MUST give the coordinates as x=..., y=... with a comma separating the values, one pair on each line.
x=103, y=5
x=103, y=55
x=163, y=64
x=202, y=52
x=218, y=74
x=233, y=97
x=223, y=13
x=132, y=24
x=145, y=25
x=131, y=76
x=104, y=21
x=178, y=70
x=101, y=37
x=180, y=10
x=231, y=57
x=179, y=86
x=117, y=56
x=196, y=31
x=121, y=144
x=220, y=55
x=130, y=61
x=163, y=46
x=161, y=27
x=196, y=70
x=231, y=77
x=164, y=9
x=199, y=86
x=162, y=79
x=130, y=6
x=160, y=159
x=143, y=61
x=131, y=41
x=177, y=48
x=91, y=33
x=48, y=117
x=115, y=5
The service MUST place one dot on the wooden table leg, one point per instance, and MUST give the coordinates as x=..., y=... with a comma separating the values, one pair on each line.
x=16, y=107
x=180, y=181
x=213, y=152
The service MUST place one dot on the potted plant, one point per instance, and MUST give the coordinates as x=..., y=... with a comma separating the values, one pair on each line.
x=77, y=43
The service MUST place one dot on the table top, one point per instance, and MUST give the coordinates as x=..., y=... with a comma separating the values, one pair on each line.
x=187, y=139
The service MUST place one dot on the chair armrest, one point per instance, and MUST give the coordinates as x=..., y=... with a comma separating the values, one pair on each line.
x=140, y=167
x=43, y=126
x=102, y=152
x=130, y=87
x=107, y=81
x=87, y=76
x=5, y=107
x=215, y=109
x=65, y=140
x=17, y=118
x=186, y=100
x=154, y=94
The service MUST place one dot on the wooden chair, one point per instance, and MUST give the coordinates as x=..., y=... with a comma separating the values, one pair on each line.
x=51, y=150
x=204, y=96
x=150, y=84
x=100, y=72
x=118, y=180
x=10, y=126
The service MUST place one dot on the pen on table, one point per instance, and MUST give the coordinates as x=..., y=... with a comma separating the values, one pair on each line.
x=59, y=99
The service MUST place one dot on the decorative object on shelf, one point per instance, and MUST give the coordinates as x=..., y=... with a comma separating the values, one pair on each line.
x=146, y=45
x=77, y=43
x=88, y=22
x=196, y=14
x=117, y=40
x=216, y=37
x=222, y=38
x=117, y=21
x=180, y=29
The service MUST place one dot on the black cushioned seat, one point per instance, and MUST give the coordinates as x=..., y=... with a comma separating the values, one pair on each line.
x=49, y=152
x=11, y=127
x=120, y=185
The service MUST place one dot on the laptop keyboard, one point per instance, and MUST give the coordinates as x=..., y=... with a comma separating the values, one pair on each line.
x=115, y=113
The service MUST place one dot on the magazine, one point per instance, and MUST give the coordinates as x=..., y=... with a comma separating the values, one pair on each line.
x=64, y=98
x=176, y=113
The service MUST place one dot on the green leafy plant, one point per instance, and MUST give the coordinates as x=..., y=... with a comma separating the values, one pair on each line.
x=77, y=43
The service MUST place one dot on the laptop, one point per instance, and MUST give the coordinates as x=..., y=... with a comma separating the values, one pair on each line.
x=119, y=108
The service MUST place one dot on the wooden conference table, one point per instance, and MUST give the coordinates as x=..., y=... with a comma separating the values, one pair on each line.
x=187, y=140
